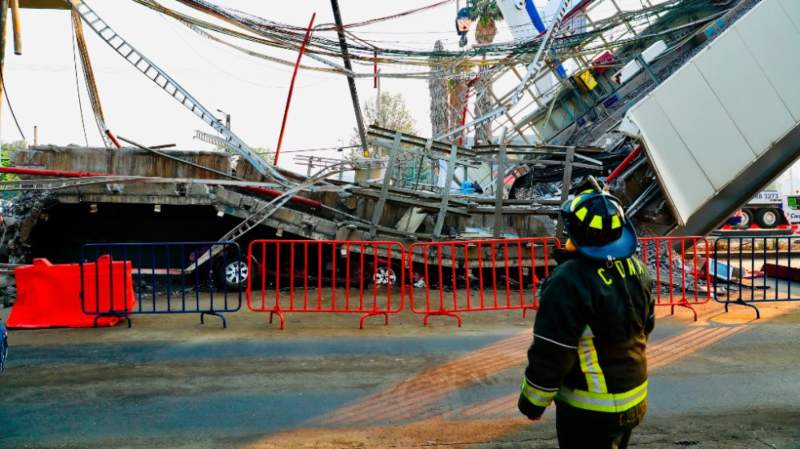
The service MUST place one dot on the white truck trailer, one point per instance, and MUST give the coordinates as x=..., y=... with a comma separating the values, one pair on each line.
x=727, y=123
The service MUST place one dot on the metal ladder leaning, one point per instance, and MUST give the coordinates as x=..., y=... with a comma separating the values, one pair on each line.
x=170, y=86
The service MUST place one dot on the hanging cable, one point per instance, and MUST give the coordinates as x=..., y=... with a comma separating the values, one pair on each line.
x=10, y=108
x=88, y=75
x=78, y=85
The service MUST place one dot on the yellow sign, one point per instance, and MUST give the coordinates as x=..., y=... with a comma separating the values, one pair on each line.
x=586, y=81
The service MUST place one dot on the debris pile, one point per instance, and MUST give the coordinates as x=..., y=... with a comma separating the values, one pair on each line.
x=672, y=271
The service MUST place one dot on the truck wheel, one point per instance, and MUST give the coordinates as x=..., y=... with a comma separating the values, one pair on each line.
x=768, y=218
x=747, y=219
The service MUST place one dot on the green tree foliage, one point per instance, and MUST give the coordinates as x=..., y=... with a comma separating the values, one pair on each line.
x=484, y=10
x=6, y=152
x=393, y=114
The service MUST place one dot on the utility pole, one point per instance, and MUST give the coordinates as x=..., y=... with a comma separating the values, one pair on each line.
x=351, y=81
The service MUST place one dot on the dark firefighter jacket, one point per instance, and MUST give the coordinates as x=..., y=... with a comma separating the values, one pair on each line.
x=589, y=339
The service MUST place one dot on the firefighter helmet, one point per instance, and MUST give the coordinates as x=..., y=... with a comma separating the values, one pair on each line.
x=597, y=226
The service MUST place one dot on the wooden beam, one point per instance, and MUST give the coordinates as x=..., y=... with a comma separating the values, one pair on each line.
x=16, y=21
x=44, y=4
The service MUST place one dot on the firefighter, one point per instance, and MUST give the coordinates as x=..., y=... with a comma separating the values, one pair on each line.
x=595, y=314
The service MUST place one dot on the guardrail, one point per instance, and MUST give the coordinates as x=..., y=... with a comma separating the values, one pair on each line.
x=164, y=278
x=678, y=266
x=493, y=274
x=371, y=278
x=752, y=270
x=326, y=276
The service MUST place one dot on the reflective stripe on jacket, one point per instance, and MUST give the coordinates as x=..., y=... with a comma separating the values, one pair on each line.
x=589, y=340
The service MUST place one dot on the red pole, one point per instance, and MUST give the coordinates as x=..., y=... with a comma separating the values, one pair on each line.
x=470, y=83
x=52, y=173
x=113, y=138
x=291, y=86
x=624, y=164
x=375, y=71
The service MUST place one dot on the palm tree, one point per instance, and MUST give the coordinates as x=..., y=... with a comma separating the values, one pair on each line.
x=486, y=13
x=437, y=87
x=457, y=93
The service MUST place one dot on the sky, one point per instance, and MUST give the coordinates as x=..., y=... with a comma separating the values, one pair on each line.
x=41, y=83
x=42, y=87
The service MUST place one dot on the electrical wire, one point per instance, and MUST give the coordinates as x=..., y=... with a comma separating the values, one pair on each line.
x=287, y=37
x=390, y=17
x=11, y=108
x=78, y=85
x=308, y=150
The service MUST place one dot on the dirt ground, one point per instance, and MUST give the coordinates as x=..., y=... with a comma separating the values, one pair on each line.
x=726, y=381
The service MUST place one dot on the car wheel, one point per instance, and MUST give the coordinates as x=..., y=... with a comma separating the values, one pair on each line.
x=384, y=276
x=233, y=274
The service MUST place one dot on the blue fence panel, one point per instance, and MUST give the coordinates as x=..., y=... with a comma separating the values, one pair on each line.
x=205, y=278
x=3, y=347
x=750, y=270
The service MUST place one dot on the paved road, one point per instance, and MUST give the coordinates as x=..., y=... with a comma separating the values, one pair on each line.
x=408, y=387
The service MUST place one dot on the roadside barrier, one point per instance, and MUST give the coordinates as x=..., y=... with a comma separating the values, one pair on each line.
x=49, y=295
x=326, y=276
x=205, y=278
x=477, y=275
x=751, y=270
x=438, y=278
x=678, y=266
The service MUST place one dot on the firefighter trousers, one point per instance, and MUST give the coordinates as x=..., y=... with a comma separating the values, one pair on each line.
x=583, y=429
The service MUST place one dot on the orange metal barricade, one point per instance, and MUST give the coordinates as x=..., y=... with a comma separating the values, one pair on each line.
x=679, y=268
x=326, y=276
x=477, y=275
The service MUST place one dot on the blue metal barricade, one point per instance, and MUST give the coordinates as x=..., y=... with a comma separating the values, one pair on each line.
x=751, y=270
x=3, y=346
x=120, y=279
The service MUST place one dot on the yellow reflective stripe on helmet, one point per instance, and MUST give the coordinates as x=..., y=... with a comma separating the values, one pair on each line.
x=597, y=222
x=537, y=396
x=590, y=366
x=604, y=402
x=581, y=214
x=575, y=202
x=615, y=222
